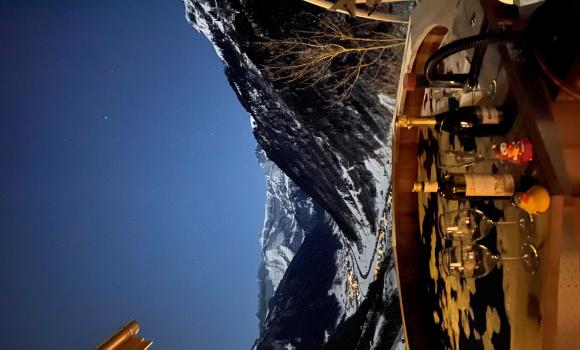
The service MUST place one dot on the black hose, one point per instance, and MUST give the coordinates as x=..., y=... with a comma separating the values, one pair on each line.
x=551, y=36
x=472, y=42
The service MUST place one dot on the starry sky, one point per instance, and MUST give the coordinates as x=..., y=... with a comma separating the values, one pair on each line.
x=129, y=187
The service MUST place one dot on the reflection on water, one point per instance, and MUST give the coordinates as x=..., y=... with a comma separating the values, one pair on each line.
x=469, y=312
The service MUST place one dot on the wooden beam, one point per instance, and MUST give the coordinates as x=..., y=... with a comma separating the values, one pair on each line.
x=376, y=16
x=383, y=1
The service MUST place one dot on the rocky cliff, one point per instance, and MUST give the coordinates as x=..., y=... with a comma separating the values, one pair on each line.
x=326, y=273
x=289, y=216
x=334, y=151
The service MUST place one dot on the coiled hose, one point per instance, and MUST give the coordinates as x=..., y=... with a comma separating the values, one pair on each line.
x=480, y=41
x=551, y=20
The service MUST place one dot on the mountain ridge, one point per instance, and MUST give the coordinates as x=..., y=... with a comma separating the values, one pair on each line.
x=320, y=144
x=325, y=270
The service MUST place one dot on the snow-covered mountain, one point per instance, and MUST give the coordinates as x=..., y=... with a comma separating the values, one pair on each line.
x=325, y=298
x=335, y=152
x=326, y=272
x=290, y=214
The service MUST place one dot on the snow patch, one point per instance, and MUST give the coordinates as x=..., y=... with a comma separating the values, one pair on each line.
x=387, y=101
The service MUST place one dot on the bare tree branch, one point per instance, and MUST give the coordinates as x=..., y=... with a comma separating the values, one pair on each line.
x=331, y=56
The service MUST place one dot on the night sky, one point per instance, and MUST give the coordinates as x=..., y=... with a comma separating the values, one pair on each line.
x=129, y=188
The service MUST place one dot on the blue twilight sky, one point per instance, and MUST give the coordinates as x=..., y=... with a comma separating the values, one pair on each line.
x=129, y=187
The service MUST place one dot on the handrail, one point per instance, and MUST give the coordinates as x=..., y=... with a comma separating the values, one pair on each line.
x=376, y=16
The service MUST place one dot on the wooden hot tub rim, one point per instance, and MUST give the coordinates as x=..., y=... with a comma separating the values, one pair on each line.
x=418, y=324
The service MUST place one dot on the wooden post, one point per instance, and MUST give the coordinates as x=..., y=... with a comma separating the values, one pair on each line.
x=125, y=339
